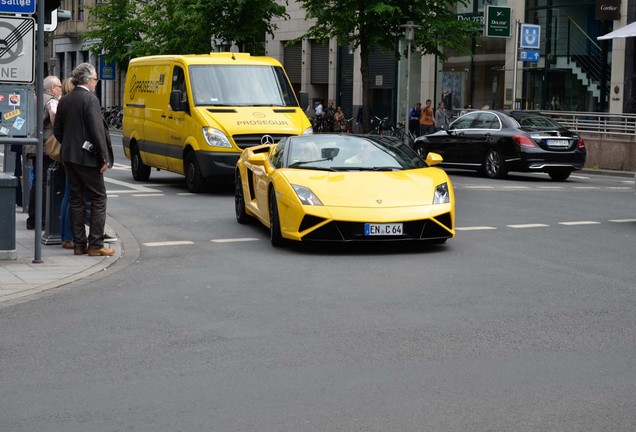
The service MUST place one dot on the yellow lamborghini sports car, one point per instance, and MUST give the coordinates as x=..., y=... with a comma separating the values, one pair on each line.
x=344, y=188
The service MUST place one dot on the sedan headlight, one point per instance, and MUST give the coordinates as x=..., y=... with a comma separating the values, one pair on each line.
x=216, y=138
x=306, y=196
x=442, y=196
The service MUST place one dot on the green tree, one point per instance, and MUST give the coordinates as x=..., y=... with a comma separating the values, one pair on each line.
x=124, y=29
x=376, y=23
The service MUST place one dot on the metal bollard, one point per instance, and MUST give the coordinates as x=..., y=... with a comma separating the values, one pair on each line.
x=8, y=185
x=55, y=186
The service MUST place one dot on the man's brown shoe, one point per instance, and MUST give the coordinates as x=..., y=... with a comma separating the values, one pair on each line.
x=80, y=251
x=68, y=245
x=101, y=252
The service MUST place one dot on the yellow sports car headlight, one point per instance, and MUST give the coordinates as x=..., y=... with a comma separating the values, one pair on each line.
x=441, y=194
x=306, y=196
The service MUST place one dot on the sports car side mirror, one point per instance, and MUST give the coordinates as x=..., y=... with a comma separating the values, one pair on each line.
x=257, y=158
x=433, y=159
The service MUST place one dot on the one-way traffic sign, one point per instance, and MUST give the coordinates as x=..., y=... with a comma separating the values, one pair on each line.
x=529, y=55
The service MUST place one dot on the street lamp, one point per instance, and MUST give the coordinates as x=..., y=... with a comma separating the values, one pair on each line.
x=409, y=35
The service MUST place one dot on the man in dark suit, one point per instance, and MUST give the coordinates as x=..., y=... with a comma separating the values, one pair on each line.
x=86, y=154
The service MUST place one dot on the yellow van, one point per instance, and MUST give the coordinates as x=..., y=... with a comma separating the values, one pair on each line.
x=194, y=114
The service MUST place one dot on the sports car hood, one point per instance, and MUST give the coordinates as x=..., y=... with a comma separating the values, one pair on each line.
x=368, y=189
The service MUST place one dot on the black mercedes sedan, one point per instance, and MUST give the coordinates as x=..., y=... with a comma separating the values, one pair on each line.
x=496, y=143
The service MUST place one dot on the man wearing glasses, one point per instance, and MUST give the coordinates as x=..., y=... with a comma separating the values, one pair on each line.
x=86, y=154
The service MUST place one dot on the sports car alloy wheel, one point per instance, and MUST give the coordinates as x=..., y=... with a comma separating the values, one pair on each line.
x=239, y=201
x=275, y=235
x=494, y=164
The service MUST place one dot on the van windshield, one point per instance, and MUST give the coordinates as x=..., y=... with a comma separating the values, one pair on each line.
x=229, y=85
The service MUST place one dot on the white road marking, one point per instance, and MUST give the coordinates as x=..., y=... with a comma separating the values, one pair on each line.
x=528, y=226
x=622, y=220
x=478, y=187
x=619, y=188
x=516, y=187
x=132, y=187
x=551, y=187
x=475, y=228
x=186, y=194
x=149, y=195
x=574, y=223
x=111, y=196
x=168, y=243
x=233, y=240
x=121, y=167
x=586, y=187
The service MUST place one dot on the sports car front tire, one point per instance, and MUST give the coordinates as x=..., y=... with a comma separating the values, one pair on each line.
x=239, y=202
x=275, y=234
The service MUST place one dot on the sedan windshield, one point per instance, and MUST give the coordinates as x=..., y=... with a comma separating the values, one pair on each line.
x=537, y=123
x=351, y=153
x=228, y=85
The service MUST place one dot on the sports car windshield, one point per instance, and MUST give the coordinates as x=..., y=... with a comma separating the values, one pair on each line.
x=228, y=85
x=351, y=153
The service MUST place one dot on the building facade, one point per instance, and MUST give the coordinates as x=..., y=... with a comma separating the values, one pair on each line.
x=574, y=71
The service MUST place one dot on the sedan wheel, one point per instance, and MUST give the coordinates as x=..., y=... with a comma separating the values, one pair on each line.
x=275, y=235
x=493, y=165
x=559, y=175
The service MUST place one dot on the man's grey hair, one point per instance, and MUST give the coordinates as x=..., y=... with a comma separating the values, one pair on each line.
x=49, y=82
x=82, y=73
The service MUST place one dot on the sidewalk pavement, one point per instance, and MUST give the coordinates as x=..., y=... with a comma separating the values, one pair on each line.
x=23, y=277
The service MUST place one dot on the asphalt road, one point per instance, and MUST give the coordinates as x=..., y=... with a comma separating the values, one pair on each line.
x=524, y=321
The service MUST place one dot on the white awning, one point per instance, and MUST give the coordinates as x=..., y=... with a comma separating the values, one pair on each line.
x=628, y=31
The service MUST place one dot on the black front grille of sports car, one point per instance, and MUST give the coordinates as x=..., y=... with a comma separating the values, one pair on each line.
x=250, y=140
x=309, y=221
x=354, y=231
x=445, y=220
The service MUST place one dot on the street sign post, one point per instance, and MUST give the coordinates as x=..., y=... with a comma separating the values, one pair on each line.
x=17, y=50
x=498, y=21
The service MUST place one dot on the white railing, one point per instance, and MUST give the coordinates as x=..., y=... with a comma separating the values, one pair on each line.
x=623, y=125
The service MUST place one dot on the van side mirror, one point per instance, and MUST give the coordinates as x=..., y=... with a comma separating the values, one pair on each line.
x=304, y=100
x=175, y=101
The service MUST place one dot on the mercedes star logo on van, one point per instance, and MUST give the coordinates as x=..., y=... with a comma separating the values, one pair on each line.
x=267, y=139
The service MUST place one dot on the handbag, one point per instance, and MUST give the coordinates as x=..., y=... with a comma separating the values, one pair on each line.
x=53, y=147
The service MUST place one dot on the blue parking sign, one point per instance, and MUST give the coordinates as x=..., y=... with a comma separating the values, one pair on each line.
x=530, y=36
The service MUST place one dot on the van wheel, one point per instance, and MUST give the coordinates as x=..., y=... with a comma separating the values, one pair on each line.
x=140, y=171
x=194, y=179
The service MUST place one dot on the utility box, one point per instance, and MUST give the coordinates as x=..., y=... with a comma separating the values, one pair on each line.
x=8, y=186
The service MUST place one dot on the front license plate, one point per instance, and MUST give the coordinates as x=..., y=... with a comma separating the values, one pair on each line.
x=382, y=229
x=558, y=143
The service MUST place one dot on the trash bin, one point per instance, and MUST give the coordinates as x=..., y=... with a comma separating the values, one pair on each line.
x=8, y=186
